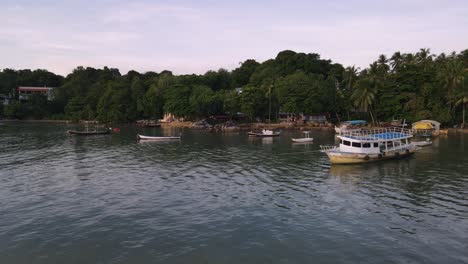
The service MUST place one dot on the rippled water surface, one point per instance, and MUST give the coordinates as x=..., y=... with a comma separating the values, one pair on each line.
x=224, y=198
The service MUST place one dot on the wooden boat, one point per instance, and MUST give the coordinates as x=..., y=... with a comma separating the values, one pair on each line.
x=371, y=145
x=142, y=137
x=88, y=133
x=350, y=126
x=422, y=143
x=148, y=123
x=306, y=138
x=264, y=133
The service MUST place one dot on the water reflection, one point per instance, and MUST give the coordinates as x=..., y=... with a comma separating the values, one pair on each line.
x=213, y=197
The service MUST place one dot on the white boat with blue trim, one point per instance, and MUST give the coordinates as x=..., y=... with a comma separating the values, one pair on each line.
x=371, y=145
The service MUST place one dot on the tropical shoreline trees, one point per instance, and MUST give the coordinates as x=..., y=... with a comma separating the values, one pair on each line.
x=409, y=86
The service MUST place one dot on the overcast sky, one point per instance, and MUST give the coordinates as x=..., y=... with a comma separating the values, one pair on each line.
x=196, y=36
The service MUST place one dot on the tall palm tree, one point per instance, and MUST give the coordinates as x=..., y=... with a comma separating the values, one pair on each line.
x=424, y=57
x=350, y=76
x=364, y=96
x=453, y=76
x=382, y=64
x=396, y=61
x=461, y=98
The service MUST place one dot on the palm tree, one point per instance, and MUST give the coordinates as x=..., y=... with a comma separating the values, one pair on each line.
x=453, y=76
x=364, y=96
x=395, y=61
x=423, y=57
x=461, y=98
x=382, y=64
x=349, y=77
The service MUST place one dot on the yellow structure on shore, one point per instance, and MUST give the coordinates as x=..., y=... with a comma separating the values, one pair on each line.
x=426, y=126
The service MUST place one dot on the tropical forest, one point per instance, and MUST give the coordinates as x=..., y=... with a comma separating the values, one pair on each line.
x=410, y=86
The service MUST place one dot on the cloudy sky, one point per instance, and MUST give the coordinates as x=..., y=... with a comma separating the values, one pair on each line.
x=196, y=36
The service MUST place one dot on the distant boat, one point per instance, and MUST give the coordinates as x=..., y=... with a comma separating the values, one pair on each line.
x=425, y=143
x=88, y=133
x=350, y=126
x=264, y=133
x=306, y=138
x=148, y=123
x=142, y=137
x=426, y=128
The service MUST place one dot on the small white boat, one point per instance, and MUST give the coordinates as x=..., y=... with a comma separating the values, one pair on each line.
x=306, y=138
x=141, y=137
x=264, y=133
x=425, y=143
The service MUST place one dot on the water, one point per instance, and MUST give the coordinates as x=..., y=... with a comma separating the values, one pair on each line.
x=224, y=198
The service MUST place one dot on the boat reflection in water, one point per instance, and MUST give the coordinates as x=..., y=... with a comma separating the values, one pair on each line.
x=267, y=140
x=373, y=170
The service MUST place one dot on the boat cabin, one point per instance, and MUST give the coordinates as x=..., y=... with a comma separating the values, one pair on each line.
x=373, y=143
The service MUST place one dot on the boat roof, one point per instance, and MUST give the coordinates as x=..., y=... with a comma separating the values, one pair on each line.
x=356, y=122
x=427, y=121
x=377, y=135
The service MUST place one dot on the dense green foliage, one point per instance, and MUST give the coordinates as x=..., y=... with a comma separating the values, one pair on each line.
x=412, y=86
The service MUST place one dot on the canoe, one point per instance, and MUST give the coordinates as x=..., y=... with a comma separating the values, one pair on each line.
x=260, y=134
x=88, y=133
x=422, y=143
x=305, y=139
x=302, y=140
x=142, y=137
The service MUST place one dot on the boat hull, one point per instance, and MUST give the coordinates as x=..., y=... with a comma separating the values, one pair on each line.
x=352, y=158
x=253, y=134
x=141, y=137
x=302, y=140
x=90, y=133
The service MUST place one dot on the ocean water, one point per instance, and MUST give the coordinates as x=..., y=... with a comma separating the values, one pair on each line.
x=224, y=198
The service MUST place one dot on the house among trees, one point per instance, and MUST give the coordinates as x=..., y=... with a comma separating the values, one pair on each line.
x=24, y=92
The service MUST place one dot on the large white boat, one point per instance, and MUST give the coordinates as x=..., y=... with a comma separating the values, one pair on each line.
x=371, y=145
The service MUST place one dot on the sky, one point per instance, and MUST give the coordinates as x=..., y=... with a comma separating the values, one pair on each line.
x=196, y=36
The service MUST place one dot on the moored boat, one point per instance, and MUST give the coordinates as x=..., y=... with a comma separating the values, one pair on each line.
x=349, y=126
x=424, y=143
x=88, y=133
x=142, y=137
x=371, y=145
x=148, y=123
x=264, y=133
x=426, y=128
x=305, y=139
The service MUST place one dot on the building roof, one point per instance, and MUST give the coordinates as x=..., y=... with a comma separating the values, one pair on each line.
x=34, y=89
x=427, y=121
x=356, y=122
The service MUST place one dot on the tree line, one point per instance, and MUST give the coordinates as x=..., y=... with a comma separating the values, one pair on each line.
x=412, y=86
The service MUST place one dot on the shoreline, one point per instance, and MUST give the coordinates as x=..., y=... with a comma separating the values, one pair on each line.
x=251, y=126
x=238, y=127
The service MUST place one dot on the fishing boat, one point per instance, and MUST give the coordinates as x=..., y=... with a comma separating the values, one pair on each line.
x=424, y=143
x=264, y=133
x=142, y=137
x=148, y=123
x=349, y=126
x=371, y=145
x=306, y=138
x=88, y=133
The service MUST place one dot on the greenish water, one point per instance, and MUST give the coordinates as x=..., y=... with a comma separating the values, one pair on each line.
x=224, y=198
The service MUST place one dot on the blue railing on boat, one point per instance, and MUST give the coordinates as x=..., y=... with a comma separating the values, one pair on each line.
x=378, y=134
